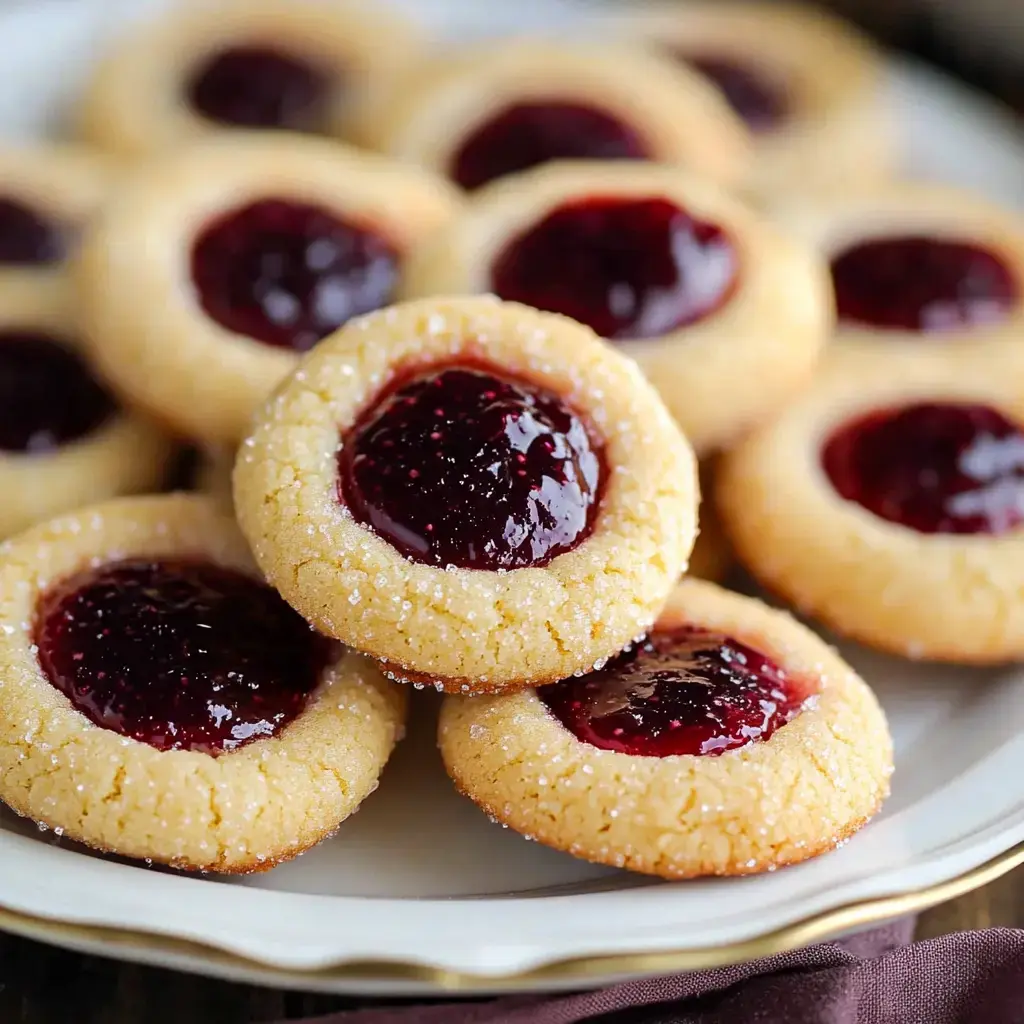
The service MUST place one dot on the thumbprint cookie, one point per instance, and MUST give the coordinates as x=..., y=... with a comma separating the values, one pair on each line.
x=479, y=495
x=807, y=85
x=239, y=65
x=726, y=314
x=64, y=441
x=158, y=700
x=503, y=107
x=215, y=268
x=730, y=740
x=889, y=503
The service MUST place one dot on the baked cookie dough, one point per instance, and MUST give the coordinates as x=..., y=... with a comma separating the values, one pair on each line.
x=159, y=701
x=64, y=441
x=239, y=65
x=502, y=107
x=479, y=495
x=888, y=502
x=725, y=313
x=807, y=85
x=711, y=558
x=732, y=741
x=217, y=266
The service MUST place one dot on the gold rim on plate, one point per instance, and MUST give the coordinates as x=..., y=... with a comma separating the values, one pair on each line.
x=146, y=946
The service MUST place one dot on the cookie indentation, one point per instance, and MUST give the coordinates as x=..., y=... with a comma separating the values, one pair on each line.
x=463, y=467
x=178, y=654
x=527, y=134
x=923, y=284
x=627, y=268
x=762, y=102
x=288, y=273
x=27, y=238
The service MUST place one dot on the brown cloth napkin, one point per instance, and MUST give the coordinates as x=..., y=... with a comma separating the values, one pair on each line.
x=871, y=978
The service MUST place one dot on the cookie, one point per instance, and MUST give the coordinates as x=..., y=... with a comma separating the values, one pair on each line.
x=477, y=494
x=711, y=558
x=888, y=502
x=217, y=266
x=807, y=85
x=159, y=701
x=505, y=106
x=64, y=441
x=731, y=741
x=239, y=65
x=705, y=294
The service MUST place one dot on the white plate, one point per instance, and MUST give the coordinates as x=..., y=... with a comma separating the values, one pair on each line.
x=420, y=879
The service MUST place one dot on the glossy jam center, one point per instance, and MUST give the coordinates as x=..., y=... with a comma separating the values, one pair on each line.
x=628, y=268
x=935, y=468
x=462, y=467
x=688, y=691
x=26, y=237
x=762, y=102
x=178, y=654
x=922, y=284
x=259, y=87
x=47, y=395
x=289, y=274
x=527, y=134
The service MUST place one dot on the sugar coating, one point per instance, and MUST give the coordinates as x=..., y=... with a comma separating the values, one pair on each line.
x=466, y=630
x=720, y=376
x=245, y=810
x=943, y=597
x=803, y=791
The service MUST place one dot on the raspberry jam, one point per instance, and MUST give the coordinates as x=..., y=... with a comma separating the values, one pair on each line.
x=935, y=468
x=288, y=273
x=463, y=467
x=182, y=655
x=761, y=102
x=527, y=134
x=26, y=238
x=922, y=284
x=259, y=87
x=48, y=397
x=628, y=268
x=688, y=691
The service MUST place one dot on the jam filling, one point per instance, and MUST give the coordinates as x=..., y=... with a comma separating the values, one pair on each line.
x=288, y=274
x=932, y=467
x=259, y=87
x=179, y=654
x=527, y=134
x=685, y=691
x=628, y=268
x=459, y=466
x=761, y=102
x=26, y=238
x=48, y=397
x=922, y=284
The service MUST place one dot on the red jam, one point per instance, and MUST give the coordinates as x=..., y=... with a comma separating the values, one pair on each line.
x=460, y=466
x=288, y=273
x=761, y=102
x=934, y=468
x=527, y=134
x=628, y=268
x=26, y=238
x=182, y=655
x=259, y=87
x=48, y=397
x=922, y=284
x=688, y=691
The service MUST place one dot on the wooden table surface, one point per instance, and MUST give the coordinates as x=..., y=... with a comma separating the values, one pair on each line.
x=41, y=985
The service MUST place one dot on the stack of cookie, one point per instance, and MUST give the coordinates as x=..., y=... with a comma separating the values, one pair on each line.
x=457, y=341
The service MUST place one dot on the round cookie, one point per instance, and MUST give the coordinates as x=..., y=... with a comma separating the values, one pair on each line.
x=215, y=268
x=705, y=294
x=501, y=107
x=239, y=65
x=100, y=740
x=808, y=86
x=732, y=741
x=888, y=503
x=477, y=494
x=64, y=441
